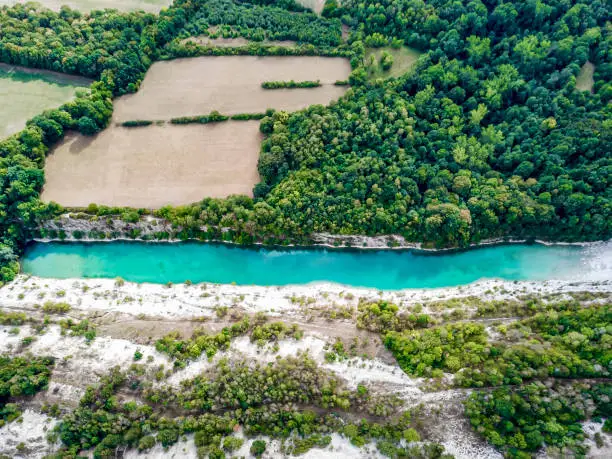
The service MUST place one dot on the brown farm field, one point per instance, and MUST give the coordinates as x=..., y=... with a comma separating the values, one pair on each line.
x=231, y=85
x=155, y=165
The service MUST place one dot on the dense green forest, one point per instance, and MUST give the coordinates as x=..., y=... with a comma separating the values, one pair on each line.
x=21, y=377
x=486, y=137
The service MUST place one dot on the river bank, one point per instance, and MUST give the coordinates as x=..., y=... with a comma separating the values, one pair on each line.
x=68, y=228
x=175, y=301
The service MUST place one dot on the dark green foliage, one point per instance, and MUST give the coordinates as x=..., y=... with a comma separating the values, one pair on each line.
x=200, y=342
x=21, y=377
x=448, y=348
x=434, y=155
x=275, y=331
x=520, y=420
x=290, y=5
x=331, y=9
x=136, y=123
x=191, y=49
x=258, y=23
x=258, y=448
x=214, y=117
x=247, y=116
x=70, y=42
x=290, y=84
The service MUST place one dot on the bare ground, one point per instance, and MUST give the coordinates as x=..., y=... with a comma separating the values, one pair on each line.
x=231, y=85
x=155, y=165
x=584, y=80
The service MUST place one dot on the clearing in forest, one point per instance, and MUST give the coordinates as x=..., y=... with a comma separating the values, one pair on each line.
x=314, y=5
x=150, y=6
x=231, y=85
x=25, y=93
x=584, y=80
x=155, y=165
x=404, y=59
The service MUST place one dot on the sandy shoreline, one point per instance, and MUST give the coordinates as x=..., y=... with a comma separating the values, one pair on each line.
x=201, y=300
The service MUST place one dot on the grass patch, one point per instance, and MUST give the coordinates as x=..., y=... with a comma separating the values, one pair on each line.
x=584, y=80
x=403, y=59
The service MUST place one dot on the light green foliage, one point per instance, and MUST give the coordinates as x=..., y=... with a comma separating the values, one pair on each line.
x=21, y=377
x=383, y=316
x=82, y=328
x=56, y=308
x=570, y=342
x=275, y=331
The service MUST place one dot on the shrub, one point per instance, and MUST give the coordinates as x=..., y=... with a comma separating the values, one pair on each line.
x=56, y=308
x=290, y=84
x=136, y=123
x=258, y=448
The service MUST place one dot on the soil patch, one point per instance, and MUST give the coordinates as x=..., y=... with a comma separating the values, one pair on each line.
x=231, y=85
x=155, y=165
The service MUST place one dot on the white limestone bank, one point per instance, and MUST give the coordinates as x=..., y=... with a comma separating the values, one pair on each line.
x=92, y=228
x=197, y=300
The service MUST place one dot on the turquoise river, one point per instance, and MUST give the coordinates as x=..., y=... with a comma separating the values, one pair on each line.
x=381, y=269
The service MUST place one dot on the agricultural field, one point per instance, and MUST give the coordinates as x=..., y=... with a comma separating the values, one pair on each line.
x=150, y=6
x=25, y=93
x=155, y=165
x=230, y=85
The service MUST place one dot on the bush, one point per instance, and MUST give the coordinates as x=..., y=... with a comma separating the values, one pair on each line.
x=56, y=308
x=136, y=123
x=231, y=444
x=146, y=442
x=214, y=117
x=258, y=448
x=290, y=84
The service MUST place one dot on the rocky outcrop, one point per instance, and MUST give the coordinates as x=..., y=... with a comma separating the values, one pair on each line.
x=86, y=227
x=363, y=242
